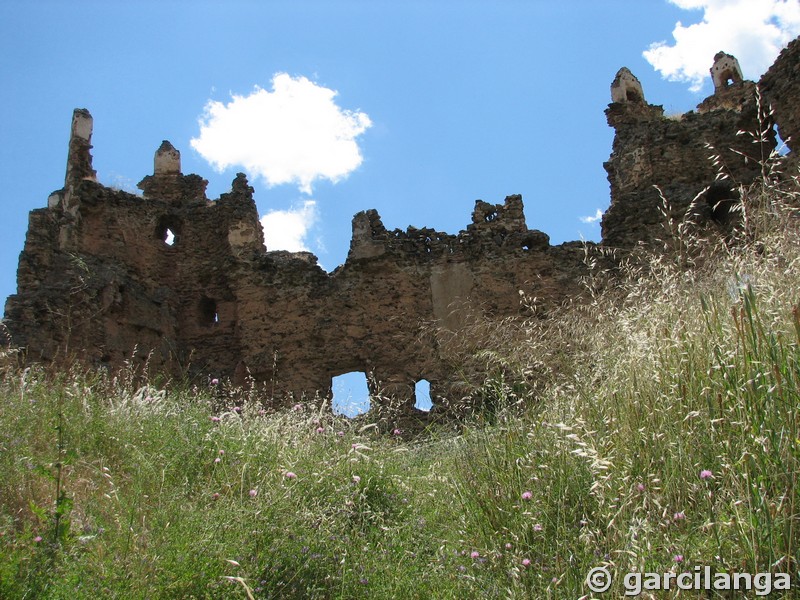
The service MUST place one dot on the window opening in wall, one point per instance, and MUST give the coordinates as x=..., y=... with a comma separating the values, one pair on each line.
x=422, y=391
x=350, y=394
x=781, y=146
x=168, y=230
x=209, y=315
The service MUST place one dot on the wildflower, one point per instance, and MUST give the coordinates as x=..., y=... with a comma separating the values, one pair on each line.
x=214, y=419
x=290, y=475
x=253, y=493
x=363, y=581
x=261, y=412
x=221, y=452
x=37, y=539
x=215, y=496
x=706, y=474
x=474, y=554
x=297, y=407
x=356, y=479
x=526, y=562
x=340, y=433
x=237, y=409
x=527, y=495
x=508, y=545
x=640, y=487
x=215, y=381
x=320, y=429
x=397, y=432
x=679, y=516
x=217, y=460
x=537, y=527
x=678, y=558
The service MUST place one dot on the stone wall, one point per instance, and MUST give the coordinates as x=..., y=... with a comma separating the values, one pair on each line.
x=185, y=285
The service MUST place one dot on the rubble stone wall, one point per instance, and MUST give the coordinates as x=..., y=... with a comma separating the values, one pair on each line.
x=186, y=285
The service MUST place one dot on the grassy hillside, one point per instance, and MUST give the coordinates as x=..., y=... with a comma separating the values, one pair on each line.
x=654, y=428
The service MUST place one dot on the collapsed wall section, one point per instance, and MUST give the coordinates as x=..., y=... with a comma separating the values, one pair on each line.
x=186, y=285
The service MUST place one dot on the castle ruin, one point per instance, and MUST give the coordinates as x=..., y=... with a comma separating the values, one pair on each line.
x=186, y=284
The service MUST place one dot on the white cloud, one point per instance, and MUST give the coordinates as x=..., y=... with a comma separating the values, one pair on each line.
x=294, y=134
x=594, y=219
x=754, y=31
x=287, y=229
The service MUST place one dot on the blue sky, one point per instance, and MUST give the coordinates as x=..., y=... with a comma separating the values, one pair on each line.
x=436, y=104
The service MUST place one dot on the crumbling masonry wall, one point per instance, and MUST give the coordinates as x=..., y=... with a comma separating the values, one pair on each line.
x=185, y=283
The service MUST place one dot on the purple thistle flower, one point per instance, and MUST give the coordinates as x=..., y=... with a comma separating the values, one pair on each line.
x=527, y=495
x=290, y=475
x=526, y=562
x=706, y=474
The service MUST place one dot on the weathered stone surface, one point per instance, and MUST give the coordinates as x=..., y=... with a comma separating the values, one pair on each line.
x=696, y=160
x=780, y=87
x=186, y=284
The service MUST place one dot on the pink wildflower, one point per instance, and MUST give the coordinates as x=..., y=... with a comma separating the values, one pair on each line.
x=537, y=527
x=679, y=516
x=253, y=493
x=214, y=381
x=215, y=496
x=320, y=429
x=217, y=460
x=706, y=474
x=678, y=558
x=340, y=433
x=526, y=562
x=640, y=487
x=508, y=545
x=397, y=432
x=37, y=539
x=214, y=419
x=237, y=409
x=290, y=475
x=527, y=495
x=474, y=554
x=356, y=479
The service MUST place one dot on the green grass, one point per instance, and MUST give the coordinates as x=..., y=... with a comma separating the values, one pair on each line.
x=603, y=418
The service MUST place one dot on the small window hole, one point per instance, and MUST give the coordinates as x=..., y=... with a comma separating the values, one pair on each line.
x=422, y=393
x=350, y=394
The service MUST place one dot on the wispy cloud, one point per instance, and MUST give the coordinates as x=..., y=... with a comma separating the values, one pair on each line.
x=288, y=229
x=593, y=219
x=295, y=134
x=754, y=31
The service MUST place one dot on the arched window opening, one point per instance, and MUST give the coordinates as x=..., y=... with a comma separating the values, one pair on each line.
x=350, y=394
x=169, y=237
x=422, y=392
x=209, y=315
x=632, y=95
